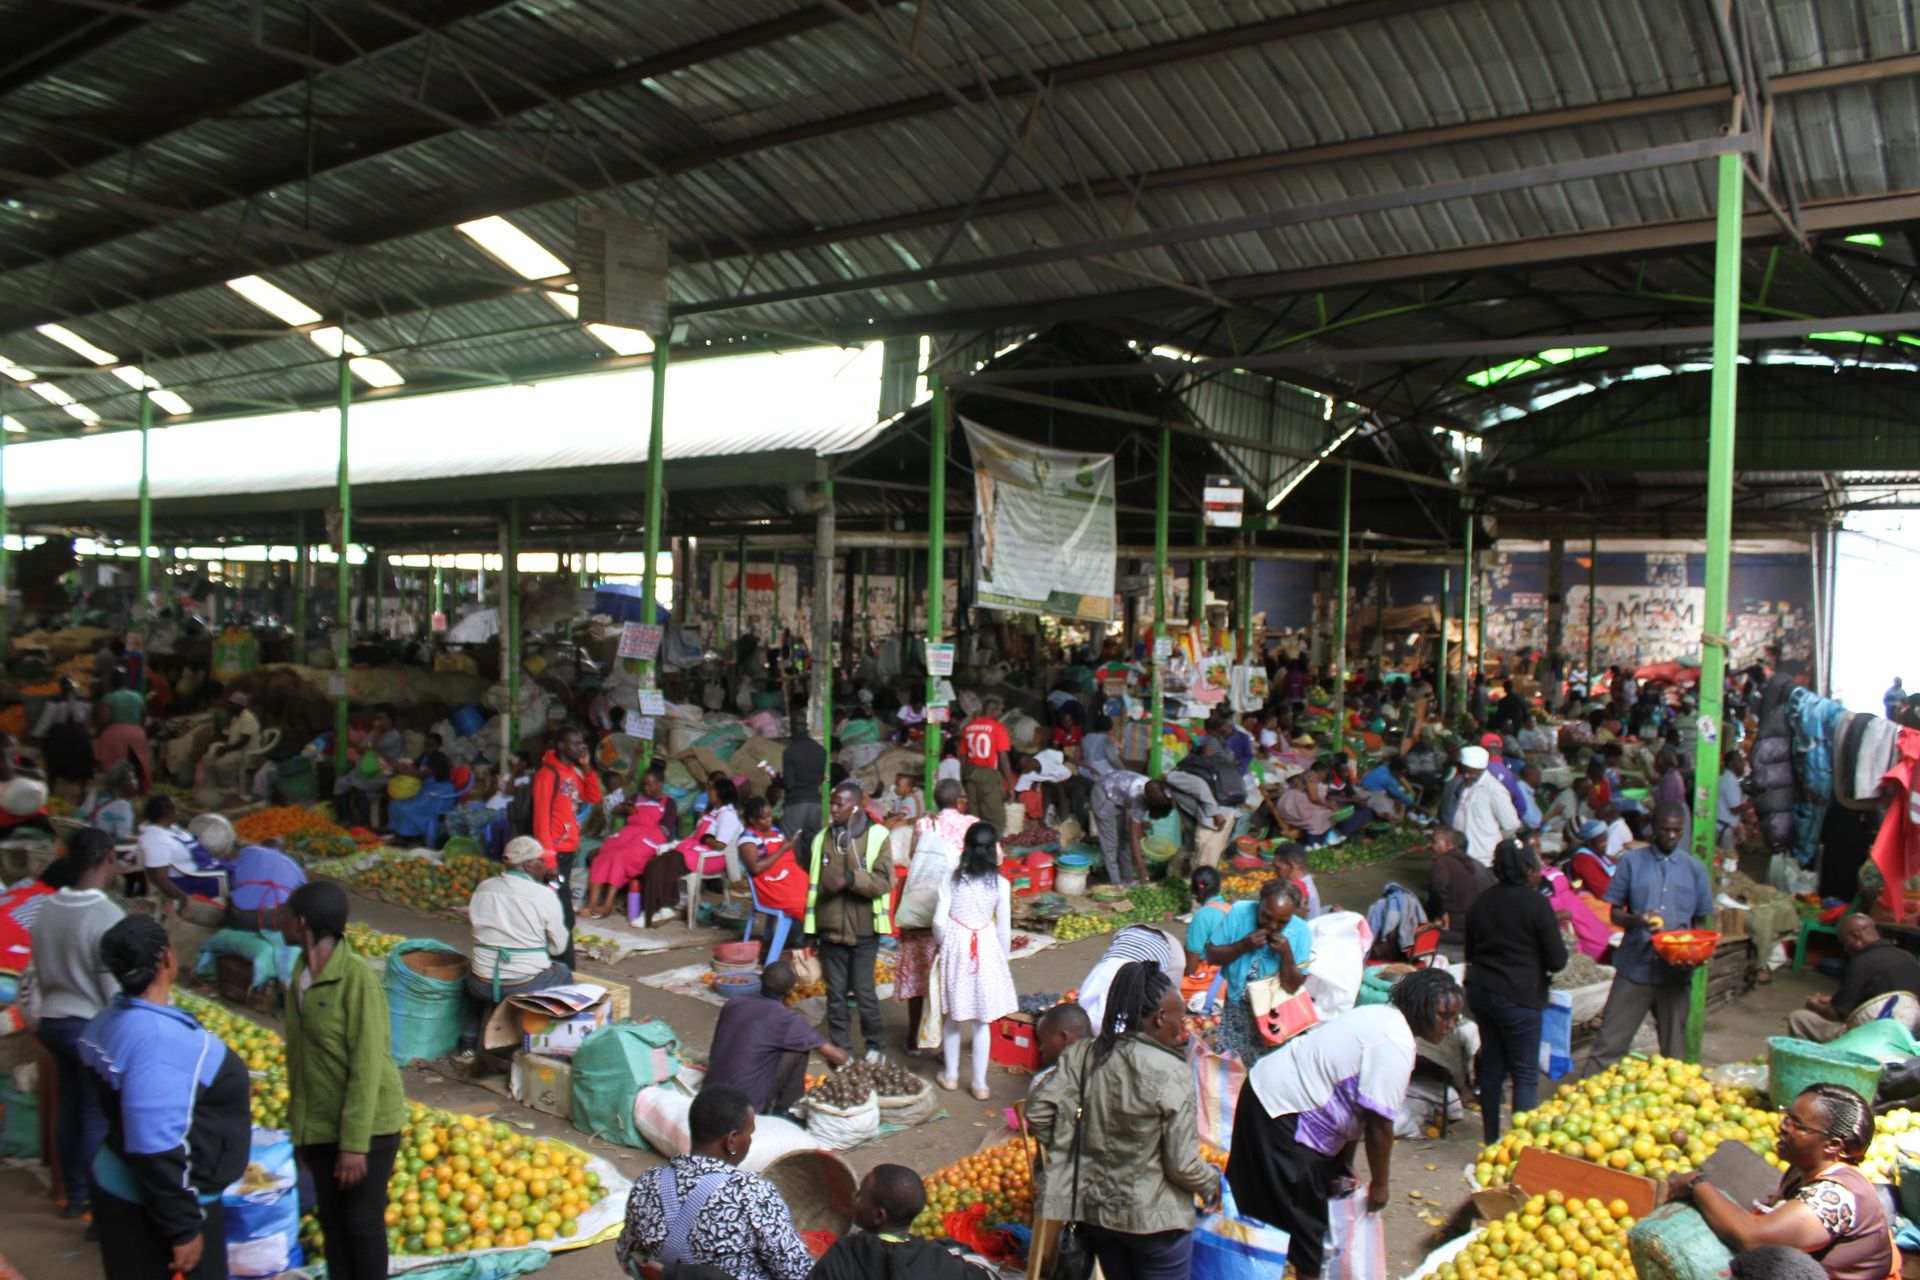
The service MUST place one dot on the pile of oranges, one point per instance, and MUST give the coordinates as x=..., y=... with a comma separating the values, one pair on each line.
x=461, y=1182
x=1650, y=1117
x=1214, y=1156
x=260, y=1050
x=282, y=821
x=425, y=886
x=1552, y=1236
x=1000, y=1177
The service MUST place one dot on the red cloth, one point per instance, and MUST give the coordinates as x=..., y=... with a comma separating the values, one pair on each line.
x=18, y=907
x=781, y=887
x=982, y=740
x=1589, y=869
x=558, y=789
x=1068, y=736
x=1896, y=851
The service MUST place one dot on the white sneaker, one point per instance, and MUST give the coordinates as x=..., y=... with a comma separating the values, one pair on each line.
x=664, y=914
x=874, y=1055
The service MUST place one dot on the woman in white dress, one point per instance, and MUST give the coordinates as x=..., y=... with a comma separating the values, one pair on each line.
x=972, y=922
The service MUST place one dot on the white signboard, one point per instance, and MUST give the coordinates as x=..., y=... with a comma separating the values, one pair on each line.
x=1225, y=502
x=939, y=659
x=1043, y=527
x=651, y=703
x=939, y=715
x=639, y=640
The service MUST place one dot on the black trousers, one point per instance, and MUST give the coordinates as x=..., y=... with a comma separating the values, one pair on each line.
x=566, y=908
x=353, y=1219
x=1280, y=1181
x=132, y=1249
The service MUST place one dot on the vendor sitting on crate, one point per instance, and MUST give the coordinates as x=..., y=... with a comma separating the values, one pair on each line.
x=760, y=1046
x=1881, y=980
x=517, y=933
x=263, y=879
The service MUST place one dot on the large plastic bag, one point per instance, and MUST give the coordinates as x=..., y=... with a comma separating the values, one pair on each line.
x=837, y=1129
x=1356, y=1239
x=1339, y=962
x=1229, y=1247
x=263, y=1210
x=611, y=1067
x=1882, y=1039
x=1217, y=1078
x=425, y=1012
x=271, y=956
x=1556, y=1035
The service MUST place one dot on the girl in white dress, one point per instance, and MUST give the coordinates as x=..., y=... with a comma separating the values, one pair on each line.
x=972, y=922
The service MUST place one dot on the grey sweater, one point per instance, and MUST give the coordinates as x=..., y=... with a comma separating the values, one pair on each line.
x=65, y=978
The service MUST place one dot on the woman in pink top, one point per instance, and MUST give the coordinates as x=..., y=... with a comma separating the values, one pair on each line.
x=625, y=855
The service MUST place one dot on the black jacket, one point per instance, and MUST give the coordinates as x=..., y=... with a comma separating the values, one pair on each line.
x=864, y=1256
x=1514, y=944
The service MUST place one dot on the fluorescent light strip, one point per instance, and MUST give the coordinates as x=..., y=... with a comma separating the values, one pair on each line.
x=73, y=408
x=16, y=372
x=519, y=251
x=137, y=378
x=77, y=344
x=274, y=300
x=378, y=373
x=624, y=342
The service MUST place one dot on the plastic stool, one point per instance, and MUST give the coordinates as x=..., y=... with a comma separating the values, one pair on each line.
x=1808, y=928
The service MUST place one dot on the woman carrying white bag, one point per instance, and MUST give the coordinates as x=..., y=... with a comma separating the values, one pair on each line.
x=936, y=847
x=973, y=922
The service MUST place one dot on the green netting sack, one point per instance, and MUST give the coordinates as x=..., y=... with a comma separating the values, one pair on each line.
x=426, y=999
x=19, y=1122
x=611, y=1067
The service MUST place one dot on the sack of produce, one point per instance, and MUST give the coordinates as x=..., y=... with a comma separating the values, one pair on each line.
x=426, y=986
x=1675, y=1243
x=611, y=1067
x=843, y=1111
x=904, y=1098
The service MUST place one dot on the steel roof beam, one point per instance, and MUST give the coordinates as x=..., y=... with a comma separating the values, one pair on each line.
x=54, y=49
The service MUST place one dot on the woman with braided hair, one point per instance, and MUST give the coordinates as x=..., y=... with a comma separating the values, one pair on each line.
x=1308, y=1104
x=177, y=1126
x=1825, y=1206
x=1129, y=1170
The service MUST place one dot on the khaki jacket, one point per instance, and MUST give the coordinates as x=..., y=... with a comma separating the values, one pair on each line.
x=1140, y=1165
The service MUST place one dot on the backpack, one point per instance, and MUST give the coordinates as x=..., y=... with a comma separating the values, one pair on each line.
x=1222, y=777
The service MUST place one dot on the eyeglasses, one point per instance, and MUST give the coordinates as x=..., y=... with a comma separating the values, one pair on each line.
x=1787, y=1118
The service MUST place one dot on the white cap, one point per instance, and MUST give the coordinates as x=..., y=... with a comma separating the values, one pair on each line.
x=1473, y=757
x=521, y=850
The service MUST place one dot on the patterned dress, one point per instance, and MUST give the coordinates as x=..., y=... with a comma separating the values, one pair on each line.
x=975, y=982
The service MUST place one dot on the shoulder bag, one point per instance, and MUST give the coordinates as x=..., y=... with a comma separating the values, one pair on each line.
x=1073, y=1256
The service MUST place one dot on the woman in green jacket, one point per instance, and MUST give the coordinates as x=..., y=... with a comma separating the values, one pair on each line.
x=346, y=1107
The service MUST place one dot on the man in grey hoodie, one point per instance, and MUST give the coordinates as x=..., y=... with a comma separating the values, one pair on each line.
x=64, y=986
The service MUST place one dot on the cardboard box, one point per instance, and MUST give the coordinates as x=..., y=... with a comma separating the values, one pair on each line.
x=543, y=1083
x=1540, y=1171
x=1014, y=1042
x=535, y=1021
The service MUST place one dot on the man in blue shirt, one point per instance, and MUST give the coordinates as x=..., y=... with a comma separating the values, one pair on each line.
x=1387, y=779
x=1661, y=887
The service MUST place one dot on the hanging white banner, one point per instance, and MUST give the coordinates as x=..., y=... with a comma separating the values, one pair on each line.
x=1043, y=527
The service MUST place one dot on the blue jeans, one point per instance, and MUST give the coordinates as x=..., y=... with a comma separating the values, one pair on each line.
x=81, y=1124
x=1509, y=1047
x=1126, y=1255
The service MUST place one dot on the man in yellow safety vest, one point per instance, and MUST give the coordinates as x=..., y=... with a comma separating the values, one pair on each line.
x=849, y=891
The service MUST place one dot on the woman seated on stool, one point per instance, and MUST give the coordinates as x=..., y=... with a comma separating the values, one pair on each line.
x=517, y=933
x=1825, y=1206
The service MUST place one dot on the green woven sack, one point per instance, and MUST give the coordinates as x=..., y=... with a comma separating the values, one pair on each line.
x=611, y=1067
x=426, y=1010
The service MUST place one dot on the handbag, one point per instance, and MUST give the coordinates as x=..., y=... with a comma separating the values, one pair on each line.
x=1073, y=1256
x=806, y=966
x=1279, y=1016
x=933, y=1013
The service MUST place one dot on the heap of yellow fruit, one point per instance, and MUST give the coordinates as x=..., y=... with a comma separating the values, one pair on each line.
x=426, y=886
x=1892, y=1145
x=1551, y=1236
x=461, y=1182
x=1647, y=1116
x=368, y=941
x=999, y=1177
x=259, y=1049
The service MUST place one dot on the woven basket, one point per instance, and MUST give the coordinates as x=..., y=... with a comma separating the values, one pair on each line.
x=818, y=1187
x=1795, y=1064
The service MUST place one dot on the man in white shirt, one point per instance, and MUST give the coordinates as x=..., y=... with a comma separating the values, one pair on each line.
x=517, y=932
x=1486, y=811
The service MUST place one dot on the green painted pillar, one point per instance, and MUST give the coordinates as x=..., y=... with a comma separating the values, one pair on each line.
x=510, y=620
x=343, y=580
x=144, y=608
x=1340, y=612
x=1162, y=500
x=1446, y=621
x=1197, y=578
x=866, y=603
x=938, y=420
x=823, y=588
x=1466, y=613
x=1713, y=624
x=302, y=575
x=656, y=508
x=1593, y=592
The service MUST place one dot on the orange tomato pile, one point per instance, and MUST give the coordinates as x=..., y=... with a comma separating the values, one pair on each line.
x=1000, y=1178
x=281, y=822
x=13, y=720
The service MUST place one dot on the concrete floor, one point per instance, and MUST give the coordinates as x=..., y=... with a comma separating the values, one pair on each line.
x=41, y=1246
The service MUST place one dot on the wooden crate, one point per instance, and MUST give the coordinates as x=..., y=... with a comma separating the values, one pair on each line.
x=1539, y=1171
x=1729, y=974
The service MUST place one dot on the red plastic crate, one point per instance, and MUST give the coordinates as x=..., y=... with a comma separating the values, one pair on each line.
x=1014, y=1042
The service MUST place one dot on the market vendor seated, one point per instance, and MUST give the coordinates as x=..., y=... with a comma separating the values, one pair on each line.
x=760, y=1046
x=225, y=761
x=518, y=932
x=779, y=881
x=374, y=758
x=1825, y=1205
x=263, y=879
x=717, y=830
x=890, y=1197
x=178, y=866
x=1882, y=979
x=629, y=854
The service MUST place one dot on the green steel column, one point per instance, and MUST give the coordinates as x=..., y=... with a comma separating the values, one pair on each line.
x=1340, y=615
x=302, y=576
x=1446, y=621
x=145, y=578
x=1593, y=581
x=343, y=579
x=439, y=589
x=656, y=507
x=510, y=620
x=1162, y=499
x=740, y=591
x=866, y=606
x=1466, y=613
x=1197, y=577
x=940, y=411
x=1713, y=625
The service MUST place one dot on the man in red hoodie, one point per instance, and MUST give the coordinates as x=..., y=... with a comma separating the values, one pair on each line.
x=563, y=782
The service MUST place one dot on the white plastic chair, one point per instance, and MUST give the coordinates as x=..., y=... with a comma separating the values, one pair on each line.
x=695, y=880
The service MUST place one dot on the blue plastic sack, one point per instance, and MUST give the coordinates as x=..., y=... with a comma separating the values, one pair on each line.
x=263, y=1221
x=1229, y=1247
x=1556, y=1035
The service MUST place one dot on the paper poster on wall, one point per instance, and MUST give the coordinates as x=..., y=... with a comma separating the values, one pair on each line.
x=639, y=640
x=1634, y=626
x=939, y=659
x=1043, y=527
x=652, y=703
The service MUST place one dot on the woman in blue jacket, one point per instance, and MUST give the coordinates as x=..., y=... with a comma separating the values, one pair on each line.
x=178, y=1126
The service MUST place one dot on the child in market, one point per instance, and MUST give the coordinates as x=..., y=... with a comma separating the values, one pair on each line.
x=904, y=805
x=1290, y=862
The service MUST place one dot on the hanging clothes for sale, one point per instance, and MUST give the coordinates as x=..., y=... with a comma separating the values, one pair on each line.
x=1812, y=719
x=1897, y=851
x=1771, y=783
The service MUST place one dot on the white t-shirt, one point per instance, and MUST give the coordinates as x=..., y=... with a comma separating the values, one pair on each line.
x=167, y=847
x=726, y=826
x=1358, y=1062
x=949, y=769
x=1618, y=836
